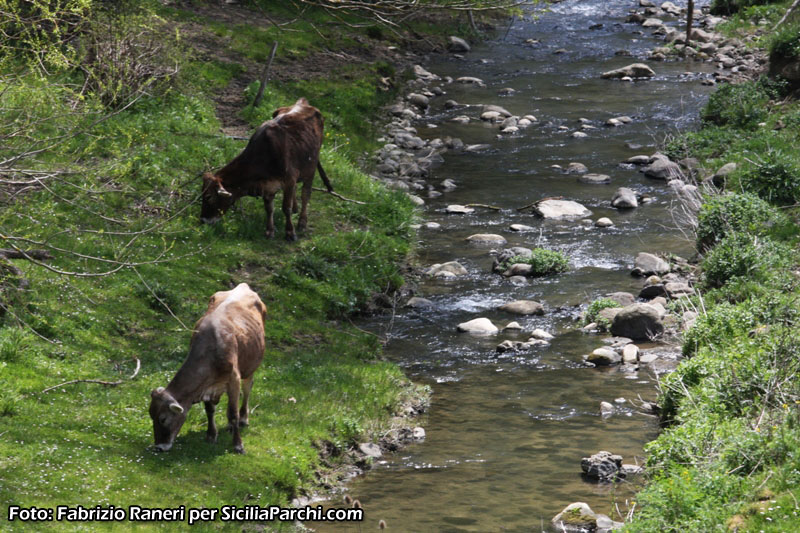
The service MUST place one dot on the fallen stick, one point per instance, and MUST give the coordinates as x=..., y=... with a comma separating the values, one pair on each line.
x=8, y=253
x=539, y=201
x=339, y=196
x=99, y=382
x=485, y=205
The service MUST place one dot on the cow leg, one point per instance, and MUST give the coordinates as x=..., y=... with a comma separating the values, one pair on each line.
x=294, y=204
x=211, y=433
x=269, y=208
x=247, y=384
x=288, y=201
x=303, y=221
x=233, y=412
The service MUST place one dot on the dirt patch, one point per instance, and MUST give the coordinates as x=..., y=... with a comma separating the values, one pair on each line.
x=323, y=64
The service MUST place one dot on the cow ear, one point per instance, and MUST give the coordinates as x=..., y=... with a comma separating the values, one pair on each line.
x=176, y=408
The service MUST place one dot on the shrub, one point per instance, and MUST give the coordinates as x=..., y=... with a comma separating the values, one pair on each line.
x=594, y=309
x=543, y=262
x=742, y=255
x=785, y=43
x=742, y=106
x=776, y=178
x=729, y=213
x=719, y=325
x=14, y=342
x=729, y=7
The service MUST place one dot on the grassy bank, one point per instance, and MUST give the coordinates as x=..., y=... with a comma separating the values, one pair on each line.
x=109, y=187
x=728, y=457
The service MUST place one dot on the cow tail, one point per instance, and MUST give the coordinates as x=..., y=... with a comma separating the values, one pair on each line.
x=324, y=177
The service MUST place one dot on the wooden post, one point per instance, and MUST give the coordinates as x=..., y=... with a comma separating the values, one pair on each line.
x=265, y=77
x=689, y=15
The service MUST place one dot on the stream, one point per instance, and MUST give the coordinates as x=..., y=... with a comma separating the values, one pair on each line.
x=506, y=432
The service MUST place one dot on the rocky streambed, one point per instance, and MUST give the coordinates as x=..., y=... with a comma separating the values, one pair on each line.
x=545, y=138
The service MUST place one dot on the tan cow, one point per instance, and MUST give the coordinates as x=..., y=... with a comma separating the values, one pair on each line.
x=227, y=347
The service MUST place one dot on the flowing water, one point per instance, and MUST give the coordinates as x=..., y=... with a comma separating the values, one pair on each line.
x=506, y=432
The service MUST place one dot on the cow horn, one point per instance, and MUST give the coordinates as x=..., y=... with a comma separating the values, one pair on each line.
x=160, y=390
x=176, y=408
x=222, y=192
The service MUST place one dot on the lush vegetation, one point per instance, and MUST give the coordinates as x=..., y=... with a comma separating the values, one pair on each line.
x=593, y=311
x=728, y=459
x=98, y=166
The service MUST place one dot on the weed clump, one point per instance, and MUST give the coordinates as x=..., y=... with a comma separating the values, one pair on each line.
x=542, y=261
x=775, y=178
x=742, y=106
x=741, y=255
x=593, y=312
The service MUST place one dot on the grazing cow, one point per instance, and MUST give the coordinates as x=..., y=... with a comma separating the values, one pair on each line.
x=282, y=152
x=227, y=347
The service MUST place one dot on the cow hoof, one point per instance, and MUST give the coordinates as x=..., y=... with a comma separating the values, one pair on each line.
x=291, y=237
x=239, y=449
x=243, y=423
x=269, y=234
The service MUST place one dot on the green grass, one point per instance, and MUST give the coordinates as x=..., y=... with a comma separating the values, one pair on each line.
x=322, y=380
x=543, y=261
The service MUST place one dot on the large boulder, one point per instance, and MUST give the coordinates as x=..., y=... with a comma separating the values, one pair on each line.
x=478, y=326
x=648, y=264
x=487, y=238
x=604, y=357
x=561, y=209
x=637, y=322
x=603, y=466
x=523, y=307
x=575, y=517
x=634, y=70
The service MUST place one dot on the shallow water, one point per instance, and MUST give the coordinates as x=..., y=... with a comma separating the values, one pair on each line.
x=506, y=432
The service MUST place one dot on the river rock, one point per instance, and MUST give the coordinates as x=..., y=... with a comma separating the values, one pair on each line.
x=638, y=160
x=624, y=198
x=608, y=314
x=491, y=108
x=453, y=267
x=561, y=209
x=472, y=148
x=622, y=298
x=423, y=74
x=471, y=80
x=518, y=269
x=638, y=322
x=677, y=289
x=634, y=70
x=630, y=353
x=513, y=326
x=603, y=357
x=487, y=238
x=460, y=119
x=518, y=280
x=595, y=179
x=419, y=303
x=521, y=227
x=576, y=517
x=418, y=434
x=578, y=135
x=458, y=45
x=523, y=307
x=606, y=409
x=491, y=116
x=652, y=291
x=419, y=100
x=432, y=225
x=541, y=334
x=720, y=177
x=576, y=168
x=604, y=223
x=459, y=209
x=370, y=449
x=478, y=326
x=652, y=23
x=663, y=169
x=647, y=264
x=602, y=466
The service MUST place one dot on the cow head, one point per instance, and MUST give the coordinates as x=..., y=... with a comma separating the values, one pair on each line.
x=216, y=199
x=168, y=417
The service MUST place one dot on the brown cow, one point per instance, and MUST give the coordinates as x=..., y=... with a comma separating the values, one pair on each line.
x=282, y=152
x=227, y=347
